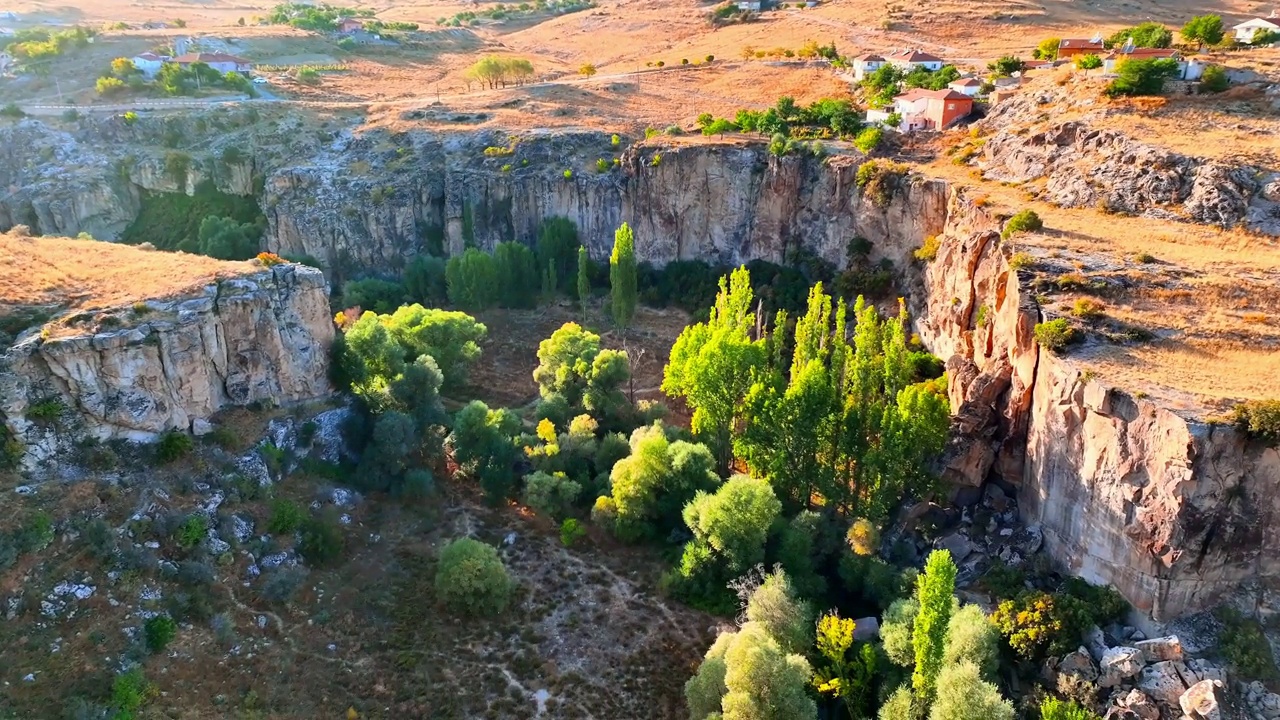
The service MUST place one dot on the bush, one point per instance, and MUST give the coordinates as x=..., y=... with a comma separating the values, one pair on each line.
x=321, y=541
x=173, y=445
x=12, y=110
x=869, y=139
x=1088, y=309
x=1023, y=221
x=863, y=537
x=1021, y=260
x=1259, y=419
x=899, y=706
x=1054, y=335
x=879, y=180
x=1142, y=77
x=159, y=631
x=373, y=295
x=471, y=579
x=895, y=631
x=192, y=531
x=1214, y=80
x=128, y=692
x=1030, y=624
x=473, y=280
x=1055, y=709
x=929, y=250
x=282, y=584
x=1244, y=646
x=286, y=517
x=571, y=531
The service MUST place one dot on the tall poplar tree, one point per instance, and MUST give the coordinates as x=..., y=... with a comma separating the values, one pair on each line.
x=584, y=281
x=934, y=590
x=622, y=277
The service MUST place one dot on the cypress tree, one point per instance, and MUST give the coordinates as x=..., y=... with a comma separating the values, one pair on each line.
x=584, y=281
x=934, y=589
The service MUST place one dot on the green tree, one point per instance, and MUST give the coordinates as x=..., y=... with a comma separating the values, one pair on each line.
x=734, y=522
x=584, y=281
x=652, y=485
x=1088, y=62
x=972, y=638
x=552, y=495
x=1142, y=77
x=706, y=689
x=558, y=246
x=226, y=239
x=452, y=338
x=847, y=675
x=1006, y=65
x=484, y=447
x=896, y=628
x=775, y=606
x=1147, y=34
x=471, y=579
x=473, y=280
x=375, y=294
x=517, y=275
x=763, y=682
x=711, y=365
x=1054, y=709
x=109, y=86
x=962, y=694
x=869, y=139
x=1203, y=29
x=622, y=277
x=572, y=366
x=424, y=281
x=934, y=590
x=1047, y=49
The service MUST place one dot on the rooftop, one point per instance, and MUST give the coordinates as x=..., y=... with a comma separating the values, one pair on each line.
x=910, y=55
x=919, y=93
x=210, y=58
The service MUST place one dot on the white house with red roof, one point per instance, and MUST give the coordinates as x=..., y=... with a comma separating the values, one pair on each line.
x=1187, y=69
x=909, y=59
x=221, y=62
x=966, y=86
x=148, y=63
x=920, y=109
x=864, y=65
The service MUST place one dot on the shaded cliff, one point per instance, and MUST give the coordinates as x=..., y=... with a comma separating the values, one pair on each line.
x=169, y=364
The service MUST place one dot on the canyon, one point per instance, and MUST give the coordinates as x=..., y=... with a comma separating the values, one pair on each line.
x=1175, y=510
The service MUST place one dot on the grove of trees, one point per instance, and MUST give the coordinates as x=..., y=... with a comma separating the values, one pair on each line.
x=494, y=71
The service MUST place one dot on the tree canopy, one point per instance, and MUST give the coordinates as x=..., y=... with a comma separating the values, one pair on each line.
x=1203, y=29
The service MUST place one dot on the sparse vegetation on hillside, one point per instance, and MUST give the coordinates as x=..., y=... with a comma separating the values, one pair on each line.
x=321, y=17
x=496, y=71
x=1147, y=34
x=1259, y=418
x=502, y=12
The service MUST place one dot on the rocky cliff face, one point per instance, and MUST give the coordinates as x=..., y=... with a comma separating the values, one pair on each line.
x=720, y=203
x=261, y=337
x=1174, y=512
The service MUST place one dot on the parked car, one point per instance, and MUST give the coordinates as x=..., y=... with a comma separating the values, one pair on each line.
x=259, y=81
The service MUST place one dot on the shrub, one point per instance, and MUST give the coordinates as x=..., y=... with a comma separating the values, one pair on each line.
x=1054, y=335
x=110, y=86
x=571, y=531
x=1021, y=260
x=471, y=579
x=418, y=483
x=1214, y=80
x=901, y=704
x=286, y=517
x=869, y=139
x=473, y=280
x=1259, y=419
x=1142, y=77
x=173, y=444
x=282, y=584
x=1023, y=221
x=321, y=541
x=929, y=250
x=1244, y=645
x=1088, y=309
x=192, y=531
x=159, y=631
x=128, y=692
x=12, y=110
x=1054, y=709
x=1029, y=623
x=879, y=180
x=604, y=513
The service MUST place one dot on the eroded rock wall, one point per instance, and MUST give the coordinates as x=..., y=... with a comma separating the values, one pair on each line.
x=1176, y=513
x=260, y=337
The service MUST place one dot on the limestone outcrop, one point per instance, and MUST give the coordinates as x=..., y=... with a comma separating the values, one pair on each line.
x=170, y=364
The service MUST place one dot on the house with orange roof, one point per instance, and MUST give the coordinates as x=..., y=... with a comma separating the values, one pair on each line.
x=920, y=109
x=864, y=65
x=909, y=59
x=969, y=86
x=1071, y=47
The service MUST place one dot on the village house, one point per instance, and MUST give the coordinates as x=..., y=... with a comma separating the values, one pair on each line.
x=921, y=109
x=968, y=87
x=148, y=63
x=221, y=62
x=864, y=65
x=1071, y=47
x=750, y=5
x=349, y=25
x=1187, y=69
x=909, y=59
x=1246, y=31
